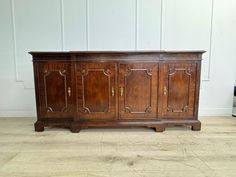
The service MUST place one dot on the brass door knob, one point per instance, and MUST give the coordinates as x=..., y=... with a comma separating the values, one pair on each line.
x=121, y=91
x=165, y=90
x=69, y=91
x=113, y=91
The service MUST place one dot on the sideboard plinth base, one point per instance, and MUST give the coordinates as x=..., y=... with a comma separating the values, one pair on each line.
x=39, y=126
x=196, y=126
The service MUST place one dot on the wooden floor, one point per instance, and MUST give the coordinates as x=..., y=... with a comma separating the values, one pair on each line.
x=140, y=152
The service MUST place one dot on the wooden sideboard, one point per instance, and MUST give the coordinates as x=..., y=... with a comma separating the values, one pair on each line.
x=155, y=89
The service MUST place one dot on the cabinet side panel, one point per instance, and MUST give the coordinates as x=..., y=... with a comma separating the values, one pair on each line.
x=197, y=89
x=36, y=86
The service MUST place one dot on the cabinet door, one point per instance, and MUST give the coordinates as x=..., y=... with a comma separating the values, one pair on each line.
x=138, y=90
x=177, y=89
x=96, y=90
x=54, y=90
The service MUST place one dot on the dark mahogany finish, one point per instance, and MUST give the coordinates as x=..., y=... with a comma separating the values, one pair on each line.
x=153, y=89
x=138, y=90
x=95, y=85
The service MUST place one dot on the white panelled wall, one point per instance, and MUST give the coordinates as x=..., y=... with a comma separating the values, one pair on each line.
x=57, y=25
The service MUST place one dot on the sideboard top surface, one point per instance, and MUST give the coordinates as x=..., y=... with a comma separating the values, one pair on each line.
x=139, y=55
x=119, y=52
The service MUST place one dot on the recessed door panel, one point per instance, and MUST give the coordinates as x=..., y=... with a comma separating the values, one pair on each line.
x=56, y=99
x=95, y=84
x=178, y=90
x=138, y=90
x=96, y=95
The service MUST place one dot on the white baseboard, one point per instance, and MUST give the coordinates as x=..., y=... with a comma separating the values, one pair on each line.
x=215, y=111
x=202, y=112
x=17, y=113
